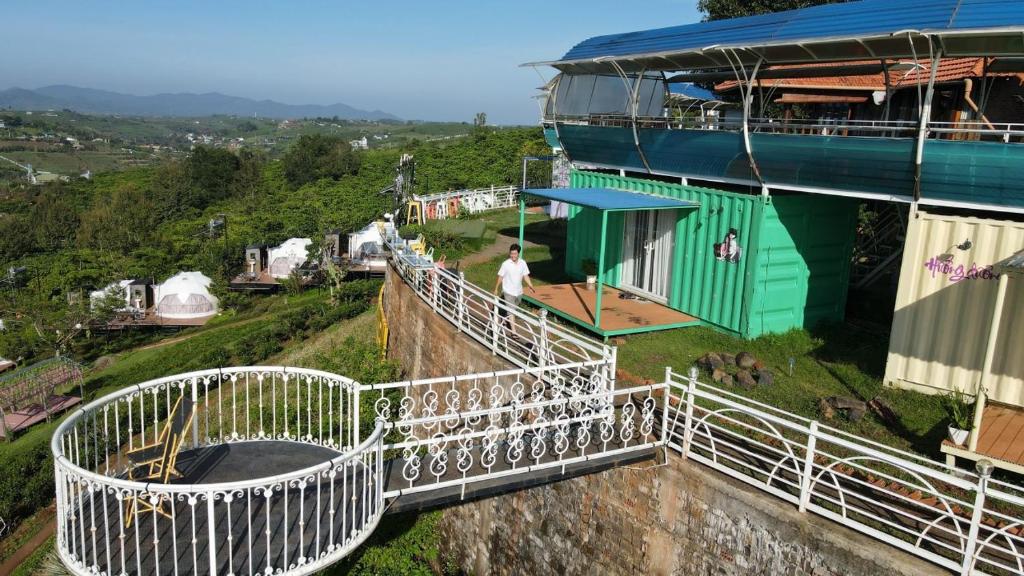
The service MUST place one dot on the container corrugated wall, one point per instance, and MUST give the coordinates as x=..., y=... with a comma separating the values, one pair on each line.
x=701, y=285
x=583, y=241
x=802, y=266
x=943, y=312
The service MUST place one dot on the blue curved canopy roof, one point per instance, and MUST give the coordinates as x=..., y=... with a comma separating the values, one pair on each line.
x=610, y=199
x=851, y=30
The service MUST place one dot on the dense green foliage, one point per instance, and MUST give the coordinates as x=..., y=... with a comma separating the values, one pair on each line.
x=26, y=465
x=722, y=9
x=316, y=156
x=152, y=222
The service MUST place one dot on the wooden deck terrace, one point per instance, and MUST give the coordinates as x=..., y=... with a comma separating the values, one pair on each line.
x=262, y=282
x=123, y=322
x=1001, y=439
x=576, y=302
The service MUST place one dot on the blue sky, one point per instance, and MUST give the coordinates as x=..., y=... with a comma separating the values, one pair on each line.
x=433, y=60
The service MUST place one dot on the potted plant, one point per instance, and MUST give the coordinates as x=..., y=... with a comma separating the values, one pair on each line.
x=961, y=417
x=589, y=267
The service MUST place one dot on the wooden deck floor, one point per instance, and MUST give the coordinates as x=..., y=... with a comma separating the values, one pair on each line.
x=618, y=316
x=1001, y=437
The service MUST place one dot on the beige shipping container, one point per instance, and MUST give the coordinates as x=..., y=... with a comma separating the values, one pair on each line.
x=945, y=304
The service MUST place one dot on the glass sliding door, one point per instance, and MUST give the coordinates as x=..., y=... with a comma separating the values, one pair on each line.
x=647, y=252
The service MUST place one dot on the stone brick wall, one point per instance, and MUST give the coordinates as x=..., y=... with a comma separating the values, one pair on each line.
x=426, y=345
x=673, y=517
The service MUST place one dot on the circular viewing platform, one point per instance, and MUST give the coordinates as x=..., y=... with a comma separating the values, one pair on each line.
x=230, y=471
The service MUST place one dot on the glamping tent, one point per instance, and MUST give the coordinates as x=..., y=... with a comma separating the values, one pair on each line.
x=185, y=295
x=366, y=248
x=289, y=256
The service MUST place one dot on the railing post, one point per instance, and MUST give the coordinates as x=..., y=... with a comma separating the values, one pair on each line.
x=805, y=480
x=461, y=300
x=355, y=415
x=195, y=421
x=435, y=288
x=665, y=406
x=495, y=323
x=543, y=329
x=691, y=387
x=984, y=468
x=610, y=366
x=211, y=530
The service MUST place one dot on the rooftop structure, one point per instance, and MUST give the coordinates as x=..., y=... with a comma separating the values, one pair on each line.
x=607, y=109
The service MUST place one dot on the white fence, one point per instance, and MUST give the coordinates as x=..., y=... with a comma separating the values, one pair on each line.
x=296, y=521
x=962, y=521
x=526, y=339
x=448, y=204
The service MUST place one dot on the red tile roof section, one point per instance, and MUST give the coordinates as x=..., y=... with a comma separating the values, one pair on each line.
x=950, y=70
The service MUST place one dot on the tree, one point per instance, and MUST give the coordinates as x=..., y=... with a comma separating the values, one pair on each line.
x=317, y=156
x=249, y=177
x=211, y=171
x=722, y=9
x=122, y=222
x=53, y=219
x=480, y=120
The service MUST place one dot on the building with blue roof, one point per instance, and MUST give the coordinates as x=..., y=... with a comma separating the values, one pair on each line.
x=910, y=109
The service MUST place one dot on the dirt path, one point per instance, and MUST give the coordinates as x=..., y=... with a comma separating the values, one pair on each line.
x=29, y=547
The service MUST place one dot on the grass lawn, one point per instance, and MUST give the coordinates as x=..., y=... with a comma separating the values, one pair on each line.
x=841, y=360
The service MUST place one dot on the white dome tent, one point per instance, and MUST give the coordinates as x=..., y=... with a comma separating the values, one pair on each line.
x=185, y=295
x=288, y=256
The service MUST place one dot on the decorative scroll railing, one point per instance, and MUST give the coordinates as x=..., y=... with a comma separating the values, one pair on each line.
x=457, y=430
x=448, y=204
x=966, y=522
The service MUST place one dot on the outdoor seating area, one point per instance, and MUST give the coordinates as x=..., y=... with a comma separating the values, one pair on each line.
x=621, y=312
x=30, y=395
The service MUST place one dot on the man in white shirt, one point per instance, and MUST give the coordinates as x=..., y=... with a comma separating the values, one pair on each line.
x=511, y=275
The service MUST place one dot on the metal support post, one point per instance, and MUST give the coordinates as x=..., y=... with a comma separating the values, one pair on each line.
x=986, y=367
x=522, y=219
x=495, y=325
x=195, y=421
x=691, y=387
x=805, y=480
x=461, y=301
x=984, y=468
x=542, y=355
x=600, y=269
x=925, y=113
x=665, y=406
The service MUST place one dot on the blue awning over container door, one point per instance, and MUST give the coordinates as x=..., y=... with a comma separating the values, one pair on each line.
x=609, y=199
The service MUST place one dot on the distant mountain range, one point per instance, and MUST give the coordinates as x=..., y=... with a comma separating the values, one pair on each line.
x=91, y=101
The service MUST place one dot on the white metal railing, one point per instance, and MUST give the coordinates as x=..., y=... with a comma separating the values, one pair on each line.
x=959, y=520
x=518, y=335
x=287, y=521
x=454, y=431
x=446, y=205
x=965, y=130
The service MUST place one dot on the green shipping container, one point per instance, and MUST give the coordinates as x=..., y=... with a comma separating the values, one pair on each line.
x=793, y=260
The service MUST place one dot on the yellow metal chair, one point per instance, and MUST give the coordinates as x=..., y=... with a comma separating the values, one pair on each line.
x=414, y=212
x=159, y=459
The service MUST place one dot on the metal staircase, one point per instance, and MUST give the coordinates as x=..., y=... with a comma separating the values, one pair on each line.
x=879, y=243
